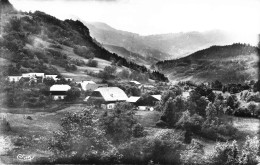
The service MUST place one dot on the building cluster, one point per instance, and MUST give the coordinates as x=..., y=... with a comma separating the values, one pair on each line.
x=101, y=95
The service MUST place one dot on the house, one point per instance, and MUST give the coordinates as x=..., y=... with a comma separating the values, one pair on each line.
x=144, y=103
x=33, y=77
x=106, y=97
x=14, y=78
x=59, y=91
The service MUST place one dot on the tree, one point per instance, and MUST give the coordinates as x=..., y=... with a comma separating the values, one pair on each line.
x=173, y=109
x=108, y=72
x=92, y=63
x=73, y=94
x=211, y=111
x=118, y=123
x=124, y=74
x=80, y=140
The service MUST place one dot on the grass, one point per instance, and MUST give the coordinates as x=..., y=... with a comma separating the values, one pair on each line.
x=42, y=126
x=147, y=118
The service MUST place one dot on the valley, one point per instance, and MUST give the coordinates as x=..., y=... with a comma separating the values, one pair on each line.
x=77, y=92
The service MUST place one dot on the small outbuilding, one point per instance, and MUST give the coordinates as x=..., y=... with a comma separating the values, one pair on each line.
x=59, y=91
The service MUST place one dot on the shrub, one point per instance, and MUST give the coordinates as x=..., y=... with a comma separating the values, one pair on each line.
x=92, y=63
x=161, y=124
x=229, y=153
x=5, y=125
x=73, y=94
x=138, y=130
x=118, y=123
x=81, y=141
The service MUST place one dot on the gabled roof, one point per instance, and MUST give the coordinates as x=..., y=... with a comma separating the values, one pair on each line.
x=60, y=87
x=158, y=97
x=132, y=99
x=112, y=93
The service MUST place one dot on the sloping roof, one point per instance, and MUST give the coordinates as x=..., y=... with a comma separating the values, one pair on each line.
x=136, y=82
x=85, y=83
x=60, y=87
x=33, y=74
x=158, y=97
x=112, y=94
x=132, y=99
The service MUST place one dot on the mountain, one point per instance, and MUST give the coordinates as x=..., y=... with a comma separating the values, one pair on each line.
x=38, y=42
x=161, y=46
x=229, y=64
x=131, y=56
x=182, y=44
x=132, y=42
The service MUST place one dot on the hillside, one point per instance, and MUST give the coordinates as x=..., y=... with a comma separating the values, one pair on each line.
x=161, y=46
x=133, y=42
x=131, y=56
x=38, y=42
x=229, y=64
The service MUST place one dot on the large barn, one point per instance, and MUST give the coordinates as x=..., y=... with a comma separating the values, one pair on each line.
x=106, y=97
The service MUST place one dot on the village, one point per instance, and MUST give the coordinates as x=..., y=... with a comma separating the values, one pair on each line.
x=99, y=94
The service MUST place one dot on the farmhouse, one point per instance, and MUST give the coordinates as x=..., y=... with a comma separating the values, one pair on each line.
x=59, y=91
x=14, y=78
x=145, y=102
x=106, y=97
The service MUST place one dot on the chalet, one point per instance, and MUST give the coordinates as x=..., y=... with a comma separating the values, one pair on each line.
x=14, y=78
x=59, y=91
x=144, y=103
x=106, y=97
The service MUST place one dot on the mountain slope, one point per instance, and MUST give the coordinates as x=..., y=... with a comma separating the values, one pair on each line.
x=229, y=64
x=131, y=56
x=38, y=42
x=130, y=41
x=161, y=46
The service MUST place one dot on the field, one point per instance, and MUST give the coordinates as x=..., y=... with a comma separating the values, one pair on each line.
x=44, y=123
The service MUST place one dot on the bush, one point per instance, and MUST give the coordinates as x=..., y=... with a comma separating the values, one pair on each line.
x=161, y=124
x=157, y=150
x=119, y=122
x=5, y=125
x=229, y=153
x=138, y=130
x=81, y=141
x=92, y=63
x=73, y=94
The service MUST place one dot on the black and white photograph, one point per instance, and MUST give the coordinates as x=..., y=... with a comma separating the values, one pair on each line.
x=130, y=82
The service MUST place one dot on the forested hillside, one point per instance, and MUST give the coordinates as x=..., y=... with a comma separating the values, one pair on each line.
x=230, y=64
x=38, y=42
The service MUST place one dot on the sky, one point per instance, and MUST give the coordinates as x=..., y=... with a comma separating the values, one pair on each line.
x=146, y=17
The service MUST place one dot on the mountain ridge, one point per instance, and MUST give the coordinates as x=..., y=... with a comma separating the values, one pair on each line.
x=229, y=64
